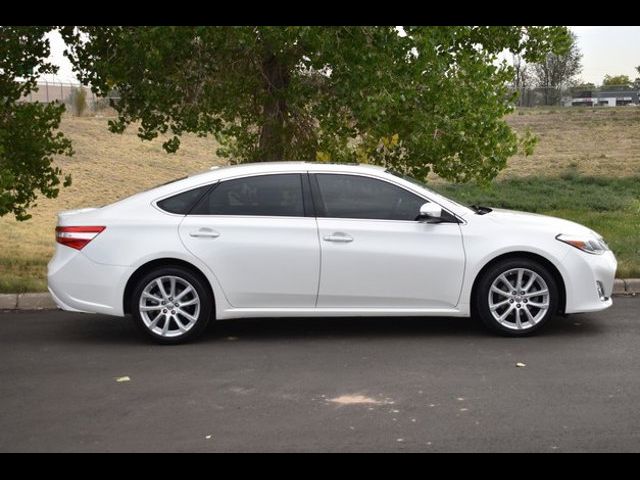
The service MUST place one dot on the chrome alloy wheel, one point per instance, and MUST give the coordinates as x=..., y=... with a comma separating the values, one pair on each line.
x=169, y=306
x=519, y=298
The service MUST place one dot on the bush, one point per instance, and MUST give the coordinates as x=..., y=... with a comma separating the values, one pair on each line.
x=79, y=101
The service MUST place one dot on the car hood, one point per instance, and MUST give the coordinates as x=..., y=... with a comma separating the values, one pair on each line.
x=514, y=218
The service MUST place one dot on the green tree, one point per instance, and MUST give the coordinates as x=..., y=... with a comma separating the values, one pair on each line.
x=557, y=70
x=28, y=137
x=427, y=99
x=583, y=86
x=616, y=80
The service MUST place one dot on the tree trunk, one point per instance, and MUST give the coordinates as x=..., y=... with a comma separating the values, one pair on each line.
x=273, y=135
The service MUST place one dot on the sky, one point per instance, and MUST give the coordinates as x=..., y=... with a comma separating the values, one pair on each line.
x=608, y=50
x=605, y=50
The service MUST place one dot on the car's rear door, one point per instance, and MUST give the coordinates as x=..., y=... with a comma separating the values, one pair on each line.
x=260, y=243
x=375, y=254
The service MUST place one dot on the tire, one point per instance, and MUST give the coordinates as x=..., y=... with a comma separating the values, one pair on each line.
x=171, y=323
x=529, y=312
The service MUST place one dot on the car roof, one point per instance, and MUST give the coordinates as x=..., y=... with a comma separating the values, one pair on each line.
x=260, y=167
x=224, y=172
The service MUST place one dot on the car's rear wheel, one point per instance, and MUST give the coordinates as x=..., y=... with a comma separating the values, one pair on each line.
x=171, y=305
x=516, y=297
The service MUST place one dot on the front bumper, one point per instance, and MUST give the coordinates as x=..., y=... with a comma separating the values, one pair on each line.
x=583, y=271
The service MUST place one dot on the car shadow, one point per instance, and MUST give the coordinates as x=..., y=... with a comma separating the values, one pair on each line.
x=111, y=330
x=371, y=327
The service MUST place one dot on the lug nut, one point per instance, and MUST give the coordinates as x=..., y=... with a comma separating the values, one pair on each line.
x=525, y=300
x=164, y=310
x=511, y=300
x=518, y=305
x=173, y=311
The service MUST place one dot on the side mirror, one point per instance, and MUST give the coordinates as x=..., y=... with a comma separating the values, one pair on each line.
x=430, y=213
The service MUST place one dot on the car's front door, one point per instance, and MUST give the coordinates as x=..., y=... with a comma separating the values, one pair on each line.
x=253, y=234
x=375, y=254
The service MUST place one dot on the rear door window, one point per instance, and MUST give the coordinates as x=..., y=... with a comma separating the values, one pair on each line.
x=265, y=195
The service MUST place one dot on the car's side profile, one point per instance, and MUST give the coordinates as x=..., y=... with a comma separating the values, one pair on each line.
x=311, y=239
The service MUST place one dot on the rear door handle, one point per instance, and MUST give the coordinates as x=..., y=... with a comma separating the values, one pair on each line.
x=204, y=233
x=338, y=237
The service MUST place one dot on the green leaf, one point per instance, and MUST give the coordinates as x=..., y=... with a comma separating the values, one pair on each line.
x=292, y=93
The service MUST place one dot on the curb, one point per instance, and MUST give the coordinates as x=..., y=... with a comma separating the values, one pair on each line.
x=43, y=301
x=35, y=301
x=27, y=301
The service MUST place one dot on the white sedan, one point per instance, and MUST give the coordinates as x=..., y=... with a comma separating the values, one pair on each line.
x=297, y=239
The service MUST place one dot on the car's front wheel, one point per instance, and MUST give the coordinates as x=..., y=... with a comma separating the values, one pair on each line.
x=516, y=297
x=171, y=305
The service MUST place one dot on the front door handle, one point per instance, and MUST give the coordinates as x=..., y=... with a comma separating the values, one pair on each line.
x=338, y=237
x=204, y=233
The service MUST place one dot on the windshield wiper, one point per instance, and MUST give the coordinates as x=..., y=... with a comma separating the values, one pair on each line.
x=480, y=210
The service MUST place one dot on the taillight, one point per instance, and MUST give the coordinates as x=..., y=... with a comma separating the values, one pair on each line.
x=77, y=237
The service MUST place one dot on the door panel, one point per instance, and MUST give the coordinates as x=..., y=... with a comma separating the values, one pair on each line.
x=390, y=264
x=376, y=254
x=253, y=234
x=259, y=261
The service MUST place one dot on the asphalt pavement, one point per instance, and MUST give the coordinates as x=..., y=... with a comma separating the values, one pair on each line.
x=75, y=382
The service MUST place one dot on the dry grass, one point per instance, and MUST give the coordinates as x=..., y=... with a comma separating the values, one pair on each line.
x=600, y=141
x=106, y=167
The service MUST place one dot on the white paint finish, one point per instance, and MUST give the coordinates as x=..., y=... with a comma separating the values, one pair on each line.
x=80, y=284
x=390, y=264
x=502, y=231
x=583, y=272
x=259, y=261
x=276, y=266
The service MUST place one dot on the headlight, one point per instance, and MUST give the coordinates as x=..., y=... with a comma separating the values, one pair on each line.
x=589, y=244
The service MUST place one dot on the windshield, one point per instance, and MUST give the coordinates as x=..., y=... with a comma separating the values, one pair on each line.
x=424, y=187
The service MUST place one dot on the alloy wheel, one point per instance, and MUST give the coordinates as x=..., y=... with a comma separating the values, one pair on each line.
x=519, y=298
x=169, y=306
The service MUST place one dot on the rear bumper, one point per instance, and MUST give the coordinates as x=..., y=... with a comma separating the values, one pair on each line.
x=584, y=273
x=61, y=305
x=78, y=284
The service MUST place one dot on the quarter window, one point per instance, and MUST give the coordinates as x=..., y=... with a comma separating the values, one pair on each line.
x=353, y=196
x=266, y=195
x=182, y=202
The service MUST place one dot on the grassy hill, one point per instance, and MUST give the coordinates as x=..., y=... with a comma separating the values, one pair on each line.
x=597, y=142
x=586, y=167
